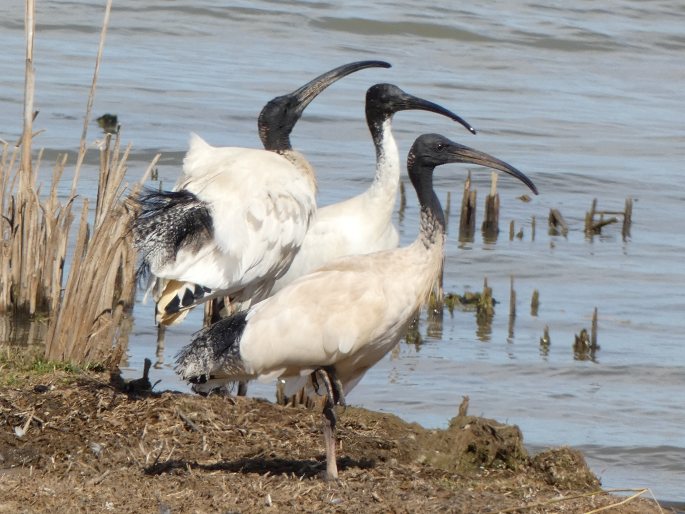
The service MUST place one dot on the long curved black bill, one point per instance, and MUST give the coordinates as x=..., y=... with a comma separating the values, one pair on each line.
x=279, y=115
x=405, y=102
x=461, y=153
x=305, y=94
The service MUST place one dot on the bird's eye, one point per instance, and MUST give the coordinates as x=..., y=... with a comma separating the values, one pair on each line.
x=440, y=147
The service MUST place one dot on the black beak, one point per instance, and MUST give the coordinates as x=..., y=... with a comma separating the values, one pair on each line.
x=304, y=95
x=410, y=102
x=383, y=100
x=279, y=116
x=460, y=153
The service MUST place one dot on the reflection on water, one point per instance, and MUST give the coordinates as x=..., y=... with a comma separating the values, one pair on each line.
x=22, y=330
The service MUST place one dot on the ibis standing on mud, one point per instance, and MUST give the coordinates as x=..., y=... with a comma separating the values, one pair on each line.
x=363, y=224
x=332, y=325
x=237, y=216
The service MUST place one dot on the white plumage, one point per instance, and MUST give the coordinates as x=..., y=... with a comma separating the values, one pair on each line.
x=338, y=321
x=237, y=216
x=363, y=224
x=260, y=204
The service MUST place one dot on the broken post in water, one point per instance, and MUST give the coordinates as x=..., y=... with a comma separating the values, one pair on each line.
x=627, y=218
x=436, y=306
x=485, y=312
x=535, y=303
x=490, y=227
x=585, y=345
x=532, y=229
x=545, y=342
x=595, y=219
x=594, y=227
x=512, y=307
x=467, y=219
x=557, y=224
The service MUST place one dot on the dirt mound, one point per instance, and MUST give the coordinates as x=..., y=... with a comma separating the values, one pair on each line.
x=76, y=444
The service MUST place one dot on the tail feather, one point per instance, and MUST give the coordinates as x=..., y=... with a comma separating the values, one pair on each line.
x=168, y=221
x=215, y=352
x=177, y=299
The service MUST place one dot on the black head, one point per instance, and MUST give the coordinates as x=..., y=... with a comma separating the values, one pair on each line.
x=431, y=150
x=279, y=116
x=384, y=100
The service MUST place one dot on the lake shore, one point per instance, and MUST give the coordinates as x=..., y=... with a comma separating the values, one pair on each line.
x=77, y=442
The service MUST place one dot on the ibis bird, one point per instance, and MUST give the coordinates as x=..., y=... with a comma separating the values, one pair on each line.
x=237, y=216
x=332, y=325
x=363, y=224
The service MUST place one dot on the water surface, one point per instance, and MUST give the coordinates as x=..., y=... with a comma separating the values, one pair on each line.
x=586, y=99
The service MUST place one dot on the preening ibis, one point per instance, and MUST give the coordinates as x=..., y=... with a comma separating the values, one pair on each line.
x=332, y=325
x=237, y=216
x=363, y=224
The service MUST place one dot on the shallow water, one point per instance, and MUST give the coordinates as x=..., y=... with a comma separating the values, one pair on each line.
x=587, y=100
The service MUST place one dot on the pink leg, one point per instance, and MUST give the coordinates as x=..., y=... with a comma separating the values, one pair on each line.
x=330, y=441
x=334, y=396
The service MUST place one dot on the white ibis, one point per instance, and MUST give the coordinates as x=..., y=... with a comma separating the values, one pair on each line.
x=363, y=224
x=335, y=323
x=237, y=216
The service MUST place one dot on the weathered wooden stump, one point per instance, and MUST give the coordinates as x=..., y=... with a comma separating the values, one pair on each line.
x=512, y=307
x=490, y=226
x=545, y=342
x=467, y=219
x=585, y=345
x=627, y=218
x=532, y=229
x=535, y=303
x=557, y=224
x=448, y=208
x=594, y=226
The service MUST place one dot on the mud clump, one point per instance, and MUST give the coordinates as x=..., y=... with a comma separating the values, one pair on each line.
x=565, y=468
x=77, y=444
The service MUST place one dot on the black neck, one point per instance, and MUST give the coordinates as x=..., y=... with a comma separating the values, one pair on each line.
x=432, y=215
x=375, y=119
x=275, y=139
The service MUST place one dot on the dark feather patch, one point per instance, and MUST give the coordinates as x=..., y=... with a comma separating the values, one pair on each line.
x=214, y=350
x=168, y=221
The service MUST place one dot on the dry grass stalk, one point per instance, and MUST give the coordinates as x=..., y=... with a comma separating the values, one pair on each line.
x=29, y=88
x=33, y=235
x=101, y=285
x=91, y=98
x=87, y=317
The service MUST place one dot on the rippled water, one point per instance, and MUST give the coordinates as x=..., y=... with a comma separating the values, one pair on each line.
x=586, y=99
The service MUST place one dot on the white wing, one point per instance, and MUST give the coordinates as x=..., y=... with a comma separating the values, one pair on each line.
x=260, y=205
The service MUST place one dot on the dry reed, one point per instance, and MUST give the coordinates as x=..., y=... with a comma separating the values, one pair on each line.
x=87, y=315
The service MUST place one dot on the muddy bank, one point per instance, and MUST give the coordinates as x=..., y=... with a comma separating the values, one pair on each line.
x=74, y=443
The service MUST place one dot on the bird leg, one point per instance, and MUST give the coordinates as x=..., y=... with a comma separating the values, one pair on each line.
x=335, y=392
x=334, y=396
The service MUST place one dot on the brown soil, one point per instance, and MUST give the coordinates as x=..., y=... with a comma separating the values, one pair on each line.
x=89, y=447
